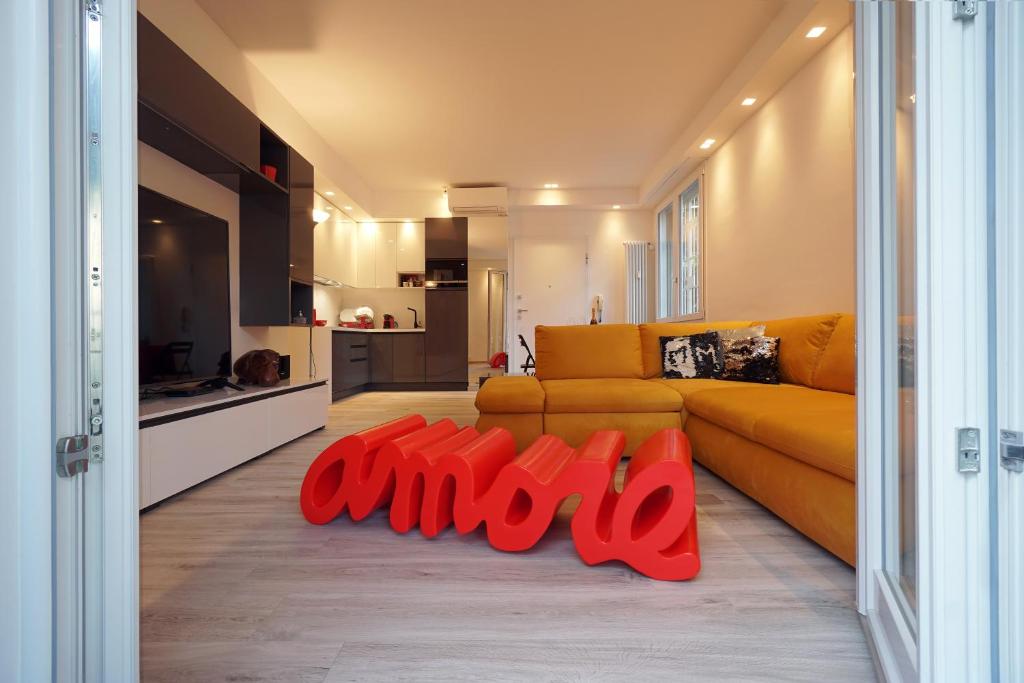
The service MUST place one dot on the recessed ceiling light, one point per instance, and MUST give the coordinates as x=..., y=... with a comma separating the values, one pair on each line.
x=328, y=194
x=707, y=143
x=815, y=31
x=157, y=221
x=328, y=208
x=347, y=208
x=747, y=101
x=616, y=206
x=550, y=186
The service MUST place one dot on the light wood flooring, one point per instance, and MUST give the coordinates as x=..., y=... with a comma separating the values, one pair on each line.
x=236, y=586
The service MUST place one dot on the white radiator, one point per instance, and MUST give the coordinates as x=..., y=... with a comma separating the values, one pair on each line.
x=638, y=274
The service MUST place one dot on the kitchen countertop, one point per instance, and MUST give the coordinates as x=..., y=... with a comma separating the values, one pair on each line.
x=378, y=330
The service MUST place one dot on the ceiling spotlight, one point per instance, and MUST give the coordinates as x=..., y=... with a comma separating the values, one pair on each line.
x=347, y=208
x=616, y=206
x=550, y=186
x=707, y=143
x=815, y=31
x=328, y=194
x=748, y=101
x=320, y=216
x=328, y=208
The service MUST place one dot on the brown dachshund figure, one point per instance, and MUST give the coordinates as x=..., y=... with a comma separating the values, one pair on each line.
x=258, y=367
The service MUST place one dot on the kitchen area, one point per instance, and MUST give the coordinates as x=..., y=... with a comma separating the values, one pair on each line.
x=391, y=303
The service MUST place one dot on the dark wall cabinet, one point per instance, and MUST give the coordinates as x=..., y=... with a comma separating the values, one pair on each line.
x=300, y=223
x=185, y=113
x=446, y=238
x=447, y=335
x=173, y=85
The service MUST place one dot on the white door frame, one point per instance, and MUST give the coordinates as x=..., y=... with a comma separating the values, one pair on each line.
x=41, y=638
x=950, y=638
x=26, y=489
x=1008, y=142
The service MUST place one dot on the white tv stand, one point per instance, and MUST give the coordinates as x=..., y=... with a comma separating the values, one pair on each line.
x=185, y=441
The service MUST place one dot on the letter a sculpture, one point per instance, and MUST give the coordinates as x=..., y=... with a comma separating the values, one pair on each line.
x=439, y=474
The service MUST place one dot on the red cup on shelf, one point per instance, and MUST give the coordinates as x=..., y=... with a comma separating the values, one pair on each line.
x=269, y=171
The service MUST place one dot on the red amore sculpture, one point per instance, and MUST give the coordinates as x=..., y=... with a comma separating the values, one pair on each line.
x=439, y=474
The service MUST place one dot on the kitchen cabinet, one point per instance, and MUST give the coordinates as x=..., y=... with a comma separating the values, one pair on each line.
x=350, y=366
x=366, y=255
x=411, y=254
x=300, y=219
x=446, y=238
x=334, y=250
x=447, y=336
x=381, y=358
x=408, y=358
x=386, y=255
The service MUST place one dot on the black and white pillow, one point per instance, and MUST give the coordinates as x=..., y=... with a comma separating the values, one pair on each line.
x=754, y=359
x=691, y=356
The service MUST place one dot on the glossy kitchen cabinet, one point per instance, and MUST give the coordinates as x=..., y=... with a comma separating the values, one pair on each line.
x=447, y=336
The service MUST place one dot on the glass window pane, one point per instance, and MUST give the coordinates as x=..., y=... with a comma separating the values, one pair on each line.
x=666, y=276
x=690, y=250
x=901, y=460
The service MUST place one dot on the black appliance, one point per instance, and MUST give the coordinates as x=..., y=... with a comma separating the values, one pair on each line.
x=446, y=274
x=184, y=304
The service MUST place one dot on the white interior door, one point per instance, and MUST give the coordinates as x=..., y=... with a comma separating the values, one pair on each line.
x=550, y=280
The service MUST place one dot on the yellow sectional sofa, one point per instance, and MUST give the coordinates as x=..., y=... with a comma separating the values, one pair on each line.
x=792, y=446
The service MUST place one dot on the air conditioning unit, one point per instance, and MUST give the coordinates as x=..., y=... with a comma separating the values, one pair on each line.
x=478, y=201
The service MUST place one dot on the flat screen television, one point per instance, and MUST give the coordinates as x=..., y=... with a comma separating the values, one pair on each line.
x=184, y=296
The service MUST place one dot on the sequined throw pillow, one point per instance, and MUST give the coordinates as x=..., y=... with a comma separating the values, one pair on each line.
x=692, y=356
x=753, y=359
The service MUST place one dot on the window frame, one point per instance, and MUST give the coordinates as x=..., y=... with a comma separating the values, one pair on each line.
x=672, y=201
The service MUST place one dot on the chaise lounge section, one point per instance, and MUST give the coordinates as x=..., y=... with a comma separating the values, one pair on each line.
x=791, y=446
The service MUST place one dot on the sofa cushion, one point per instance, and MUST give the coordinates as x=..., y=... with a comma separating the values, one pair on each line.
x=609, y=396
x=826, y=439
x=685, y=387
x=588, y=352
x=837, y=370
x=739, y=410
x=513, y=394
x=802, y=342
x=651, y=333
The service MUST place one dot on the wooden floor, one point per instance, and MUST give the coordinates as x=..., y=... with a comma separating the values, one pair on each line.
x=236, y=586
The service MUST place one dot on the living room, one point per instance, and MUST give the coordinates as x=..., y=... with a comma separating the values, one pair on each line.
x=516, y=342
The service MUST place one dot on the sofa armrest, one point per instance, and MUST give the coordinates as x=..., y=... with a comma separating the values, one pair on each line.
x=511, y=394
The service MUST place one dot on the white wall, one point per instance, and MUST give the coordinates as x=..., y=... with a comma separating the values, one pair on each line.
x=393, y=300
x=163, y=174
x=780, y=223
x=604, y=232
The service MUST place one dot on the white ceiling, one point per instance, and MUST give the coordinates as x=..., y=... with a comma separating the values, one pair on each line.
x=418, y=94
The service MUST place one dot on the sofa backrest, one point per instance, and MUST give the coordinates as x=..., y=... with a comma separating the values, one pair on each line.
x=650, y=342
x=588, y=352
x=837, y=368
x=818, y=351
x=802, y=342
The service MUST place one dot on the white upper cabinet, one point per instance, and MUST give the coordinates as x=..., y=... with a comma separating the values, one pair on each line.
x=387, y=255
x=334, y=250
x=367, y=255
x=411, y=257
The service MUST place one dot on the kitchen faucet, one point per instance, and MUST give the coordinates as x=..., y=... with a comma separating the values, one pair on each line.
x=415, y=316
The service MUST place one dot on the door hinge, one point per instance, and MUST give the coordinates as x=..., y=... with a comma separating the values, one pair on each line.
x=965, y=10
x=72, y=455
x=93, y=9
x=1011, y=450
x=968, y=445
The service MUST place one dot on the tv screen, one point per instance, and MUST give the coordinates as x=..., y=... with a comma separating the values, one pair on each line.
x=184, y=306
